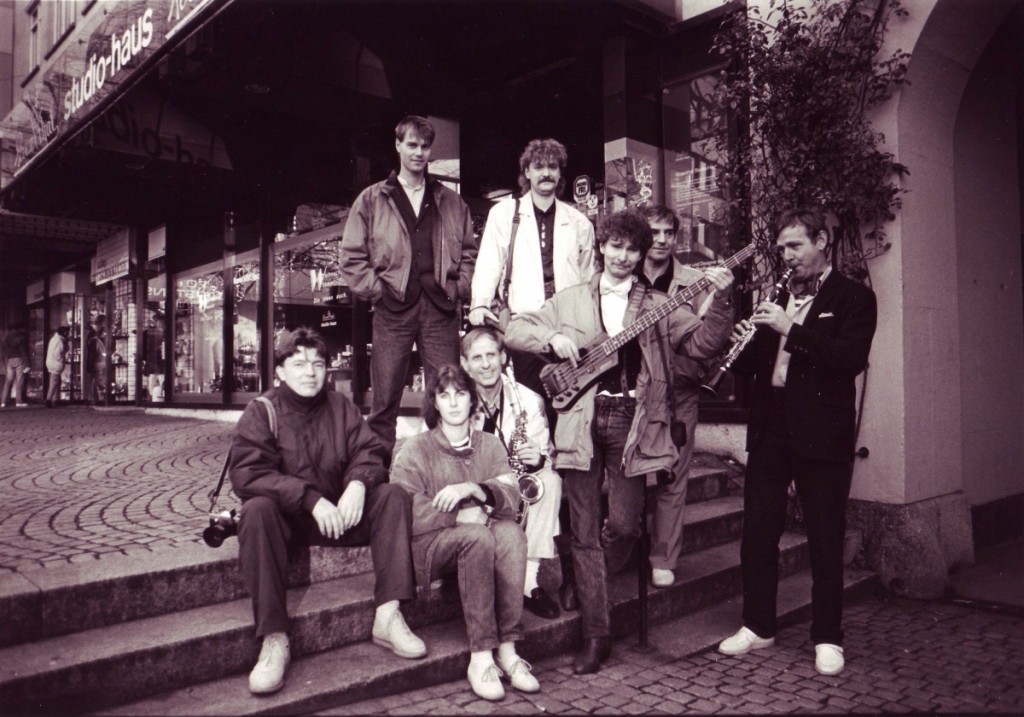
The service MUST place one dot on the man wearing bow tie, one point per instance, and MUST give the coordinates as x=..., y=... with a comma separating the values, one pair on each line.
x=621, y=423
x=805, y=356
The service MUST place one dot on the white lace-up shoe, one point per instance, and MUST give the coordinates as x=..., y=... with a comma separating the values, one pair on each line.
x=268, y=675
x=520, y=676
x=486, y=681
x=395, y=635
x=828, y=659
x=743, y=642
x=662, y=578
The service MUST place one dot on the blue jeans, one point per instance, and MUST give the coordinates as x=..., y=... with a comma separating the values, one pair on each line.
x=435, y=334
x=613, y=418
x=491, y=564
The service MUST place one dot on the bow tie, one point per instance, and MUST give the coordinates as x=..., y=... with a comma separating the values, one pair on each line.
x=806, y=288
x=620, y=290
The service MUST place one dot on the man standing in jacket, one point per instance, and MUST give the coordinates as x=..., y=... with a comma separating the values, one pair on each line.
x=515, y=414
x=805, y=357
x=620, y=424
x=408, y=249
x=664, y=273
x=554, y=247
x=311, y=472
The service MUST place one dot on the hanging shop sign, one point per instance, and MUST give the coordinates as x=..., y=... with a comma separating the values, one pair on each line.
x=110, y=44
x=113, y=258
x=35, y=292
x=158, y=242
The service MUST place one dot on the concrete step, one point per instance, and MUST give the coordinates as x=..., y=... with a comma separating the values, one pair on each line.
x=60, y=600
x=354, y=671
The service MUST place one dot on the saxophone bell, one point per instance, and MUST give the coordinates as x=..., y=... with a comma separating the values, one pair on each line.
x=531, y=488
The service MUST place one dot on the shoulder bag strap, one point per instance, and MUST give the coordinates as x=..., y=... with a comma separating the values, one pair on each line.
x=272, y=420
x=507, y=277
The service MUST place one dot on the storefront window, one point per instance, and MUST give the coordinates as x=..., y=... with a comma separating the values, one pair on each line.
x=123, y=344
x=246, y=282
x=33, y=385
x=198, y=330
x=691, y=166
x=308, y=291
x=153, y=347
x=66, y=310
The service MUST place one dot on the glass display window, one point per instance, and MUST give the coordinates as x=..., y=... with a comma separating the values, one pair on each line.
x=154, y=363
x=309, y=291
x=32, y=387
x=198, y=332
x=123, y=326
x=66, y=310
x=245, y=276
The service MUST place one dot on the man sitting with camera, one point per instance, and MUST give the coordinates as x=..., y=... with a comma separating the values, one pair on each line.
x=318, y=479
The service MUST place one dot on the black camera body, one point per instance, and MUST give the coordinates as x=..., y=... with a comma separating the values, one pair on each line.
x=223, y=525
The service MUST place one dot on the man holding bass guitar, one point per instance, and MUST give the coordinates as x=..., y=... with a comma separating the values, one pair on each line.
x=615, y=408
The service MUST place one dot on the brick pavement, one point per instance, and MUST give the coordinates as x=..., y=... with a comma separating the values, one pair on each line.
x=903, y=656
x=78, y=483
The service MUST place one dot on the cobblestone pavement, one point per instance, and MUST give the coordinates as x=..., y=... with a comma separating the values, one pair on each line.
x=78, y=483
x=902, y=656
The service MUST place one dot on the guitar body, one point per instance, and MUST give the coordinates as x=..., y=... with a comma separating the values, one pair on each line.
x=565, y=384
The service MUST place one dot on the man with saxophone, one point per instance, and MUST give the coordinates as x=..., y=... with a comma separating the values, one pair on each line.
x=515, y=414
x=805, y=355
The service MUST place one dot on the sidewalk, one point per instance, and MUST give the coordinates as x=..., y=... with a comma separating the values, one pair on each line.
x=79, y=485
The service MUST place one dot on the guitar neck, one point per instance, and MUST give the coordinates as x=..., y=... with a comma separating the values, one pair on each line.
x=649, y=319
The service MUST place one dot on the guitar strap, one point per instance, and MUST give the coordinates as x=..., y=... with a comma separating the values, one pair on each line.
x=636, y=299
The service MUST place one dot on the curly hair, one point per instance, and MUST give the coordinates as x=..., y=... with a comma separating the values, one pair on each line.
x=628, y=224
x=543, y=150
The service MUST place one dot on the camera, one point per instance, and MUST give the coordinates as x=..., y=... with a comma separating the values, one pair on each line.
x=222, y=526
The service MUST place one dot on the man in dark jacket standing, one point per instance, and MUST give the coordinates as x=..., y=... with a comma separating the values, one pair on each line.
x=408, y=249
x=805, y=356
x=311, y=471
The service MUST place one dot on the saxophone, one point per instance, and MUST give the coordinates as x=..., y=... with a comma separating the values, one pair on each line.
x=531, y=488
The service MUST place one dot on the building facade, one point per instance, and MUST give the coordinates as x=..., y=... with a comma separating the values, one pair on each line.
x=176, y=176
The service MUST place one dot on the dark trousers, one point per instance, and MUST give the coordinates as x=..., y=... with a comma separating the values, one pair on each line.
x=612, y=420
x=264, y=534
x=823, y=488
x=436, y=335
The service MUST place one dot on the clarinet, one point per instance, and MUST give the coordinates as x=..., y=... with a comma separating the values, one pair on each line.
x=746, y=338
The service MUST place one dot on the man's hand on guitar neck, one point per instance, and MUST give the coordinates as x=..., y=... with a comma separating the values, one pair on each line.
x=565, y=348
x=721, y=278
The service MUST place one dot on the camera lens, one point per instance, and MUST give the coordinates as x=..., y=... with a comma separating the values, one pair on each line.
x=214, y=536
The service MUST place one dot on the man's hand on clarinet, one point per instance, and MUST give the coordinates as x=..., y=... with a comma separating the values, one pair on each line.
x=773, y=316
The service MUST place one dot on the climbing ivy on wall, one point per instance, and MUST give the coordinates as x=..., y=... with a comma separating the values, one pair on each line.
x=795, y=100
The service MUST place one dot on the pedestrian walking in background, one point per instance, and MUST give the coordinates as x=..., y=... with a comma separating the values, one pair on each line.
x=56, y=360
x=16, y=363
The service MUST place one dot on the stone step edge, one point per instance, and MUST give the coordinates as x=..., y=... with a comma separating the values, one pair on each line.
x=215, y=641
x=357, y=672
x=59, y=600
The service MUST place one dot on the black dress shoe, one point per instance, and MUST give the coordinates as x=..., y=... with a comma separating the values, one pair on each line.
x=541, y=605
x=568, y=597
x=595, y=651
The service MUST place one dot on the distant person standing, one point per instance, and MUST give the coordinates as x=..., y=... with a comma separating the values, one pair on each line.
x=56, y=360
x=408, y=249
x=16, y=363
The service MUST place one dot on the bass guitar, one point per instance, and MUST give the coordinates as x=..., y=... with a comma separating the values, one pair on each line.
x=565, y=383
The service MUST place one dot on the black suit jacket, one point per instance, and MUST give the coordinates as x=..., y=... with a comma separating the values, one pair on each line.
x=827, y=352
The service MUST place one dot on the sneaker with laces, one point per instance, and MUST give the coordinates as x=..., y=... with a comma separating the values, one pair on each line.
x=268, y=674
x=520, y=675
x=486, y=681
x=828, y=659
x=395, y=635
x=743, y=642
x=662, y=578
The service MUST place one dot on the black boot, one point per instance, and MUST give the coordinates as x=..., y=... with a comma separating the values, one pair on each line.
x=568, y=597
x=595, y=651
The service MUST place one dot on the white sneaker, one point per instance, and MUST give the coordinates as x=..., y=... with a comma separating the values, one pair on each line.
x=486, y=682
x=662, y=578
x=828, y=659
x=21, y=405
x=396, y=636
x=519, y=675
x=268, y=675
x=743, y=642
